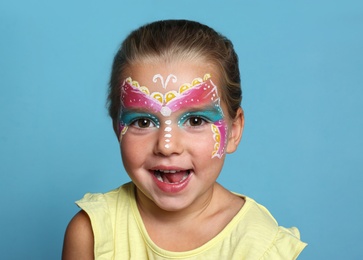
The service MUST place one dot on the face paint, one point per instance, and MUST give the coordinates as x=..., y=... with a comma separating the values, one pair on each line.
x=167, y=136
x=134, y=96
x=131, y=117
x=219, y=129
x=158, y=76
x=209, y=115
x=213, y=115
x=200, y=93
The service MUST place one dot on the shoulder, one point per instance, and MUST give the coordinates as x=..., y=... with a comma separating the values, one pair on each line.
x=78, y=239
x=285, y=245
x=90, y=233
x=256, y=212
x=110, y=197
x=266, y=236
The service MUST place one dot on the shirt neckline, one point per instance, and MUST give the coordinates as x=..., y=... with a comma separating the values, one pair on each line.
x=166, y=253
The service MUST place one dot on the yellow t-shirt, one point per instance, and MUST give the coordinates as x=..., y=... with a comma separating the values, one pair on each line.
x=119, y=232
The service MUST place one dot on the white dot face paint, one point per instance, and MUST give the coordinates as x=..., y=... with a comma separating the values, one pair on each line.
x=200, y=93
x=165, y=111
x=167, y=136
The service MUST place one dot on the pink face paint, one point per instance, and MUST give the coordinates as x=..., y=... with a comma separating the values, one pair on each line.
x=133, y=96
x=200, y=94
x=219, y=129
x=203, y=94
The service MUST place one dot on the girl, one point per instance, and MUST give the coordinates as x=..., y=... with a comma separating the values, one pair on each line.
x=174, y=99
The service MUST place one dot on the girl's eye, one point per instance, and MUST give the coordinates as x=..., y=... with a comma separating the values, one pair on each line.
x=196, y=121
x=143, y=123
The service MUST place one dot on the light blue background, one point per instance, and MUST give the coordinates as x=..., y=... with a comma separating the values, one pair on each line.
x=301, y=154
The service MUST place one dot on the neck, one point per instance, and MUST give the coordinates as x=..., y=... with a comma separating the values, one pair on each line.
x=200, y=207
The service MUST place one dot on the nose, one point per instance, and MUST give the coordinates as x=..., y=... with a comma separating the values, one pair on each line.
x=170, y=140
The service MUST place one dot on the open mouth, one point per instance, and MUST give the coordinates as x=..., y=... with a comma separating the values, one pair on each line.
x=171, y=176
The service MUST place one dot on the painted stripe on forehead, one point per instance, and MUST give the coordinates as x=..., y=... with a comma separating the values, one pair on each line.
x=200, y=95
x=134, y=96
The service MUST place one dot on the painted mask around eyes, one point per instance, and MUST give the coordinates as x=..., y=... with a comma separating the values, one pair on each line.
x=201, y=92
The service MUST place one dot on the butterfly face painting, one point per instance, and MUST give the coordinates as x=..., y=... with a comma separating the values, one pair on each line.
x=198, y=100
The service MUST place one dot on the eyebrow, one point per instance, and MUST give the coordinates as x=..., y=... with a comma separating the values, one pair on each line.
x=212, y=107
x=213, y=113
x=129, y=115
x=136, y=110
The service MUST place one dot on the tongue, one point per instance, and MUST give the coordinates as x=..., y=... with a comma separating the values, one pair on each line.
x=174, y=177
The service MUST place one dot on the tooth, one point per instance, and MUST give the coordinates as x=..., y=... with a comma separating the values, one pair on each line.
x=158, y=176
x=185, y=176
x=168, y=171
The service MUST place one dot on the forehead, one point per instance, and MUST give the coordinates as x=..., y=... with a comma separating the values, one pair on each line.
x=166, y=76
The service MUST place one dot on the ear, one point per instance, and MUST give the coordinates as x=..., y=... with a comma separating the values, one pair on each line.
x=235, y=133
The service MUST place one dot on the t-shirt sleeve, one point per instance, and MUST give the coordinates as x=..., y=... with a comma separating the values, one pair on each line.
x=95, y=205
x=286, y=245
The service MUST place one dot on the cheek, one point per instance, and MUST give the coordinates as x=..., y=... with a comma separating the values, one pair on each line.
x=202, y=143
x=212, y=141
x=132, y=149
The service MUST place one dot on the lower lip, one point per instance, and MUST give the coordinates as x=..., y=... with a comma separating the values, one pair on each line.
x=171, y=187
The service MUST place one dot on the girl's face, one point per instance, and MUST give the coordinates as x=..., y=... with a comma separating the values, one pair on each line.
x=173, y=132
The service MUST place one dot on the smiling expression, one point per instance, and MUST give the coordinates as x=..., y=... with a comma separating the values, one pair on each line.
x=173, y=135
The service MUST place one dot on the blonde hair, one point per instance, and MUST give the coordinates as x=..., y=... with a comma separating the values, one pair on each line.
x=174, y=40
